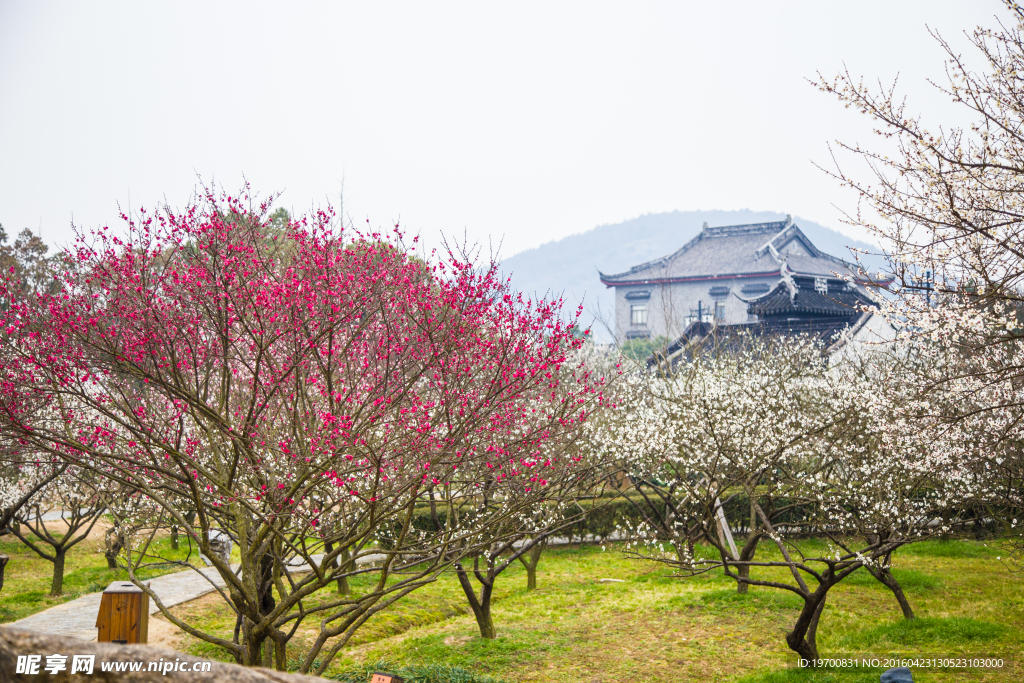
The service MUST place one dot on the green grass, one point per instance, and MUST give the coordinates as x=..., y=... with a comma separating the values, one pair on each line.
x=951, y=633
x=656, y=627
x=930, y=634
x=955, y=549
x=909, y=580
x=756, y=598
x=651, y=626
x=794, y=675
x=431, y=673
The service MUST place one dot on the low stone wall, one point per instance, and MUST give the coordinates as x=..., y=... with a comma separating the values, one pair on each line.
x=15, y=642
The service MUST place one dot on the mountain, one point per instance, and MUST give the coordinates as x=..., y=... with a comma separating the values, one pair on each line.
x=568, y=267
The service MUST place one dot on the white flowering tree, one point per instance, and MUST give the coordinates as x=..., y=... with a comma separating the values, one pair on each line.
x=711, y=430
x=813, y=452
x=61, y=514
x=19, y=483
x=946, y=203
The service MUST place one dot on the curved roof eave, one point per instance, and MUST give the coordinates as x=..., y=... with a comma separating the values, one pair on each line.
x=608, y=282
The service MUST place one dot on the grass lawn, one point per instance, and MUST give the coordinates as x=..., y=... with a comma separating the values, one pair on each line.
x=653, y=627
x=27, y=577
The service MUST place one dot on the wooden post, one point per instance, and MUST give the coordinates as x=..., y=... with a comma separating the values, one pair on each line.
x=724, y=532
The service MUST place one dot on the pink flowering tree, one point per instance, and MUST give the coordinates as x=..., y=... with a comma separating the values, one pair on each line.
x=300, y=388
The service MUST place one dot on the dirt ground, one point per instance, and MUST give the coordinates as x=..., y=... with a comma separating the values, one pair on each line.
x=163, y=633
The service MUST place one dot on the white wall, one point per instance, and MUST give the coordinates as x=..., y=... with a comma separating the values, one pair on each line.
x=669, y=305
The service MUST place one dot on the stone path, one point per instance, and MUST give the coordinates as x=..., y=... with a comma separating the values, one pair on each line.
x=53, y=515
x=77, y=618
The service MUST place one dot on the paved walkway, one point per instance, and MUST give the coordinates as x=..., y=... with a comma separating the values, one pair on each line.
x=54, y=515
x=77, y=618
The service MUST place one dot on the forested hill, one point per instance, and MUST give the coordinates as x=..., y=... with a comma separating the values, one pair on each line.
x=569, y=266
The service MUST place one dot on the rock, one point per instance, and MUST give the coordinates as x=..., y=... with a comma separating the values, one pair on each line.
x=14, y=642
x=220, y=544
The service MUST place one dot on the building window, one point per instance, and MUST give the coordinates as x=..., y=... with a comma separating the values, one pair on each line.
x=638, y=314
x=719, y=311
x=821, y=285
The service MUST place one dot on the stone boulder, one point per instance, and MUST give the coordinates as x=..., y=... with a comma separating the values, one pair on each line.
x=15, y=642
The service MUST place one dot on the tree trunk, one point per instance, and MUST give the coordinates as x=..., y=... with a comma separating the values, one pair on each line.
x=265, y=591
x=57, y=586
x=253, y=654
x=746, y=555
x=280, y=655
x=742, y=587
x=481, y=607
x=343, y=565
x=262, y=648
x=484, y=620
x=255, y=647
x=531, y=564
x=744, y=571
x=114, y=541
x=174, y=537
x=807, y=625
x=346, y=560
x=328, y=549
x=274, y=654
x=889, y=581
x=812, y=629
x=4, y=559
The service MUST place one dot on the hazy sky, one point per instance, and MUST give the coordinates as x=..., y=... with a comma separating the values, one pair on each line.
x=522, y=122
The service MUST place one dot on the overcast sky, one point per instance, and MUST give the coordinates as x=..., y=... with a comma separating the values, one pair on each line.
x=516, y=122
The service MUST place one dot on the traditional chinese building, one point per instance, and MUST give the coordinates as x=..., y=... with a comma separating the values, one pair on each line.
x=832, y=310
x=716, y=277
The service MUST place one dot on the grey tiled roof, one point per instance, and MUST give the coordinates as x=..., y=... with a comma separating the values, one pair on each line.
x=826, y=329
x=733, y=251
x=823, y=265
x=839, y=300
